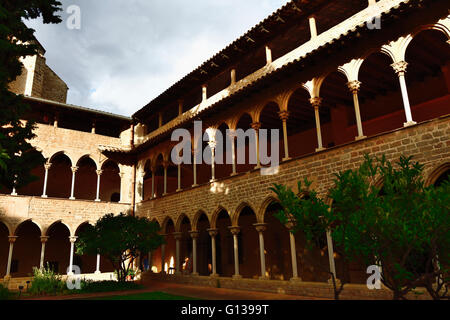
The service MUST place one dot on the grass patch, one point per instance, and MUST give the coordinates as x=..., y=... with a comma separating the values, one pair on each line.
x=145, y=296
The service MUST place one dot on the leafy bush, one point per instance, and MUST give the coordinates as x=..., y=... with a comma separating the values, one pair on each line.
x=4, y=293
x=88, y=286
x=46, y=281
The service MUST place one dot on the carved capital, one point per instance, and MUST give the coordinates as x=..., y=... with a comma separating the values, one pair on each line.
x=74, y=169
x=260, y=227
x=316, y=102
x=235, y=230
x=212, y=144
x=177, y=235
x=12, y=239
x=256, y=125
x=291, y=224
x=194, y=234
x=400, y=67
x=284, y=115
x=44, y=239
x=165, y=164
x=99, y=172
x=354, y=86
x=213, y=232
x=47, y=166
x=73, y=239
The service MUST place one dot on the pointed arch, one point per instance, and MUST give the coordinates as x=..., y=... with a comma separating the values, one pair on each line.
x=238, y=210
x=215, y=216
x=435, y=174
x=27, y=221
x=165, y=223
x=264, y=205
x=49, y=227
x=180, y=220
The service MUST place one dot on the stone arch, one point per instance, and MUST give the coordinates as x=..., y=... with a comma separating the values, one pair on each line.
x=439, y=26
x=264, y=205
x=237, y=212
x=45, y=231
x=8, y=226
x=313, y=86
x=53, y=156
x=26, y=253
x=215, y=215
x=26, y=221
x=196, y=219
x=165, y=223
x=179, y=221
x=110, y=184
x=97, y=164
x=437, y=173
x=81, y=225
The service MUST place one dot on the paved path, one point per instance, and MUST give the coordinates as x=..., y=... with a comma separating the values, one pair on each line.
x=205, y=293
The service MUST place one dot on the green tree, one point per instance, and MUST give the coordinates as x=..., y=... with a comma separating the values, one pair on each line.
x=16, y=41
x=120, y=239
x=403, y=226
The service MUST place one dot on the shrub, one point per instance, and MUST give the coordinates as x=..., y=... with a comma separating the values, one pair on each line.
x=46, y=281
x=107, y=286
x=4, y=293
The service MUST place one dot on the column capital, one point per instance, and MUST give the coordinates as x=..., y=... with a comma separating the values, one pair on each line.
x=316, y=102
x=47, y=166
x=12, y=239
x=290, y=225
x=99, y=172
x=212, y=144
x=256, y=125
x=166, y=164
x=213, y=232
x=177, y=235
x=235, y=230
x=284, y=115
x=74, y=169
x=400, y=67
x=354, y=86
x=73, y=239
x=194, y=234
x=44, y=239
x=260, y=227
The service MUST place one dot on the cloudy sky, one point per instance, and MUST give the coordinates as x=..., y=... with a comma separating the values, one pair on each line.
x=127, y=52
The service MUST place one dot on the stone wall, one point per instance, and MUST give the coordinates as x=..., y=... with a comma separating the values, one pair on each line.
x=428, y=142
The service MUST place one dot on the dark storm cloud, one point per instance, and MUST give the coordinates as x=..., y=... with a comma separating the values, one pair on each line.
x=127, y=52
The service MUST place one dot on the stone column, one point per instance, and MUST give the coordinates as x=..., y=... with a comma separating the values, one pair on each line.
x=47, y=167
x=316, y=103
x=150, y=261
x=290, y=225
x=256, y=126
x=213, y=233
x=97, y=269
x=400, y=69
x=354, y=87
x=99, y=173
x=121, y=175
x=235, y=231
x=178, y=236
x=284, y=116
x=268, y=55
x=260, y=228
x=43, y=242
x=233, y=76
x=165, y=165
x=179, y=179
x=194, y=235
x=232, y=136
x=212, y=145
x=331, y=254
x=72, y=192
x=12, y=240
x=194, y=168
x=153, y=183
x=163, y=254
x=72, y=246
